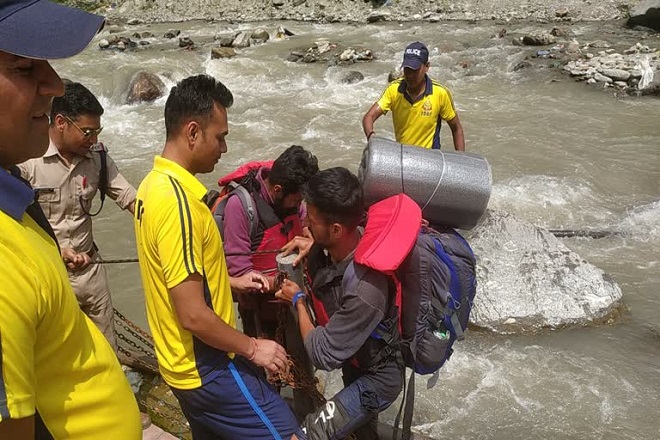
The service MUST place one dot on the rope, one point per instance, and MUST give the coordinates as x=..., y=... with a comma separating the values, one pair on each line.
x=570, y=233
x=228, y=254
x=437, y=187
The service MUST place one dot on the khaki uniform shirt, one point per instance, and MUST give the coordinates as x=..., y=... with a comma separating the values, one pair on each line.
x=59, y=187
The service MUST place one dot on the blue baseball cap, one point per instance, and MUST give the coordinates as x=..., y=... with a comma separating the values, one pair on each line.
x=41, y=29
x=415, y=56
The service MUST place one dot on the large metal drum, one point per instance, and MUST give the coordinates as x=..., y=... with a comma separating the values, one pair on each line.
x=452, y=188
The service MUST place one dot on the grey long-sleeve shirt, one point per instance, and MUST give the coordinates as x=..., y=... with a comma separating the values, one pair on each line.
x=356, y=301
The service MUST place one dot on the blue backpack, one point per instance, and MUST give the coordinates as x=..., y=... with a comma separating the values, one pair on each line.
x=435, y=281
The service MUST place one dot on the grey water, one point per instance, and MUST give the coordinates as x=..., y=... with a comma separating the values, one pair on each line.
x=564, y=156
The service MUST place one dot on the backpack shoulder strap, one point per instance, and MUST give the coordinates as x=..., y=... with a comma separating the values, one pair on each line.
x=266, y=212
x=218, y=210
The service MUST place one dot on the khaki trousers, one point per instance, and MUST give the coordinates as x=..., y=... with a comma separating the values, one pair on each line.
x=91, y=288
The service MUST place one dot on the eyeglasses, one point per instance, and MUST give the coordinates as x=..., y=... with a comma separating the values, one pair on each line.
x=87, y=132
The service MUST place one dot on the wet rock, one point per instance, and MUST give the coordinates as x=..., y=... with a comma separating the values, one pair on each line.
x=114, y=29
x=347, y=55
x=297, y=3
x=283, y=33
x=226, y=41
x=259, y=36
x=222, y=52
x=559, y=32
x=294, y=57
x=393, y=75
x=539, y=39
x=377, y=16
x=278, y=3
x=522, y=65
x=117, y=43
x=310, y=57
x=144, y=43
x=147, y=34
x=144, y=87
x=652, y=90
x=352, y=77
x=172, y=34
x=528, y=277
x=186, y=43
x=646, y=14
x=134, y=21
x=561, y=13
x=241, y=40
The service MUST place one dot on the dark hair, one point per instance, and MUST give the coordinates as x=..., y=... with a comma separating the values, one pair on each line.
x=194, y=97
x=292, y=169
x=337, y=194
x=76, y=101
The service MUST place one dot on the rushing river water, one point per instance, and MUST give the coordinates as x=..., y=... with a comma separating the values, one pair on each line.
x=564, y=156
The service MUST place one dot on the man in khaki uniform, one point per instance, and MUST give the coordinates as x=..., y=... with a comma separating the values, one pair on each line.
x=66, y=179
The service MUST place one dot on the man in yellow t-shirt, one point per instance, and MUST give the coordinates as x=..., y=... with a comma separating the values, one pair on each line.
x=418, y=104
x=59, y=377
x=211, y=367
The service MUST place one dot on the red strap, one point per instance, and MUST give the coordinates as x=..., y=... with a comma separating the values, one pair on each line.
x=390, y=233
x=243, y=171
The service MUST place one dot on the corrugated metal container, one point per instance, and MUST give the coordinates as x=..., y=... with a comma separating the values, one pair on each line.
x=452, y=188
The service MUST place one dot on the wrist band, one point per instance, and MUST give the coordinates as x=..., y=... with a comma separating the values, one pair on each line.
x=254, y=353
x=299, y=294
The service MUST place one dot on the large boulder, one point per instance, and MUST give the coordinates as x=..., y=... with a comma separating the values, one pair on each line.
x=528, y=279
x=145, y=87
x=647, y=14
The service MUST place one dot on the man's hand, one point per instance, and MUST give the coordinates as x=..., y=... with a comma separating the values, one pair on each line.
x=288, y=290
x=249, y=282
x=75, y=261
x=299, y=244
x=269, y=355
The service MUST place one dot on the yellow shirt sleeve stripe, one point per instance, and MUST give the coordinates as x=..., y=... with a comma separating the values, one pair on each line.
x=186, y=229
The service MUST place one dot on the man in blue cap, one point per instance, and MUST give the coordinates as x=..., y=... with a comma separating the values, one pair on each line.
x=418, y=104
x=59, y=377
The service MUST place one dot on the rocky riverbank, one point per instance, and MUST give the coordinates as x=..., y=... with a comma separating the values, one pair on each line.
x=365, y=10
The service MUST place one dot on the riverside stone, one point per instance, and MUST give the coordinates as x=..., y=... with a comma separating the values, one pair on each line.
x=241, y=40
x=617, y=74
x=259, y=36
x=602, y=78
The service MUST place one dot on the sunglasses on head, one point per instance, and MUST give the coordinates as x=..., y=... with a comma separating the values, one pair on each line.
x=87, y=132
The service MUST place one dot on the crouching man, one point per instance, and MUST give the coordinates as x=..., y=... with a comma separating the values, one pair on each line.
x=358, y=324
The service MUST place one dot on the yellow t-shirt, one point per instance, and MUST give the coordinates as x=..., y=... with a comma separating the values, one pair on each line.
x=418, y=123
x=177, y=236
x=53, y=359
